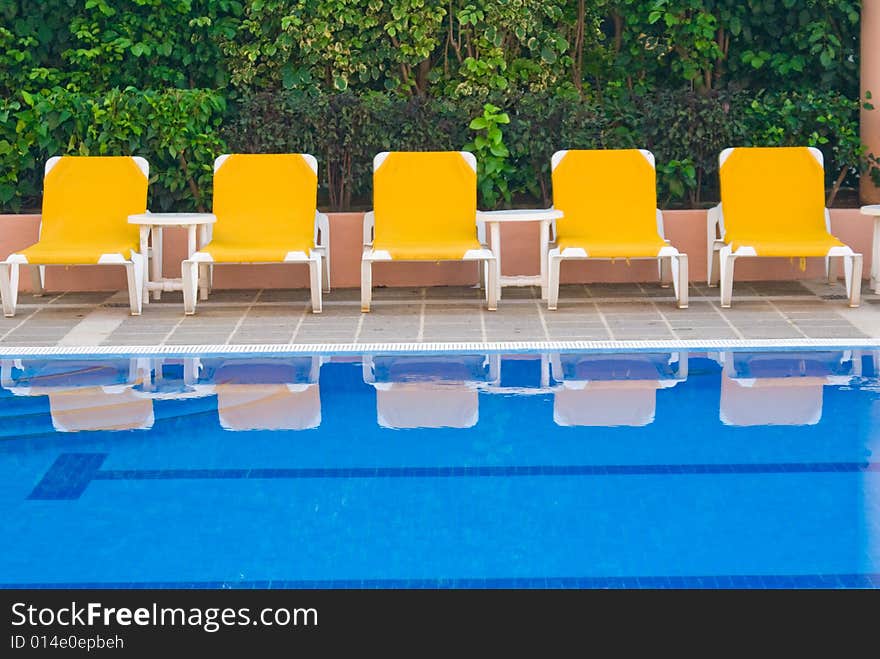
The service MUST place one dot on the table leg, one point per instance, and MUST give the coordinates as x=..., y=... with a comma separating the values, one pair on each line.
x=145, y=250
x=875, y=256
x=495, y=236
x=157, y=260
x=545, y=246
x=190, y=240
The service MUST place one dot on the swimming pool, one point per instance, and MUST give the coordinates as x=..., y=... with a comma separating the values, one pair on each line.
x=652, y=469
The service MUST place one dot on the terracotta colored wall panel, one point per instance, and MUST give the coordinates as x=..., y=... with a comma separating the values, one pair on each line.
x=686, y=229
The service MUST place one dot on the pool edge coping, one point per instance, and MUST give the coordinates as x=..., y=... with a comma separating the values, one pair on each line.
x=470, y=347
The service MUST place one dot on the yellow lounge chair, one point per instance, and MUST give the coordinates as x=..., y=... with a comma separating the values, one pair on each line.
x=83, y=396
x=425, y=210
x=261, y=395
x=429, y=391
x=613, y=390
x=266, y=208
x=609, y=203
x=773, y=204
x=764, y=389
x=86, y=204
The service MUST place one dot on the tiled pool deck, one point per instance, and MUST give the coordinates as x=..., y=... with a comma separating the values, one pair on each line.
x=622, y=312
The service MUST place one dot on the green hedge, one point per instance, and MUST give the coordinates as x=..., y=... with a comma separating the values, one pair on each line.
x=685, y=130
x=176, y=130
x=180, y=132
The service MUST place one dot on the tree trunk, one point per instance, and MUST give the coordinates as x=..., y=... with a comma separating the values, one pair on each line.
x=577, y=68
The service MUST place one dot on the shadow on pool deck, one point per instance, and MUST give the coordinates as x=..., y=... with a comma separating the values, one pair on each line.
x=761, y=310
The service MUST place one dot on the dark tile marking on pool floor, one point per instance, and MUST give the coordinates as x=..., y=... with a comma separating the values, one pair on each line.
x=735, y=581
x=71, y=473
x=68, y=477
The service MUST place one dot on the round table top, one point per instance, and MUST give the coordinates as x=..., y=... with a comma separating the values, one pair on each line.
x=873, y=209
x=520, y=215
x=172, y=219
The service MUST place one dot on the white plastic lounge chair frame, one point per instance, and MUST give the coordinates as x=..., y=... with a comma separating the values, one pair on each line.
x=621, y=399
x=198, y=271
x=135, y=265
x=670, y=262
x=740, y=396
x=413, y=397
x=485, y=254
x=721, y=257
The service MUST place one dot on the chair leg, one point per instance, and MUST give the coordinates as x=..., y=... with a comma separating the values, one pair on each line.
x=325, y=261
x=853, y=274
x=680, y=279
x=666, y=274
x=315, y=282
x=726, y=259
x=9, y=287
x=134, y=272
x=712, y=267
x=203, y=280
x=553, y=282
x=491, y=284
x=366, y=284
x=189, y=274
x=38, y=280
x=831, y=269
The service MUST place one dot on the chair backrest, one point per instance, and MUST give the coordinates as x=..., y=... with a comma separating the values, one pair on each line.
x=605, y=195
x=425, y=197
x=88, y=199
x=267, y=198
x=772, y=192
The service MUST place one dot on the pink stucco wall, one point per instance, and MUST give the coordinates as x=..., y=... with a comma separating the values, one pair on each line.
x=686, y=229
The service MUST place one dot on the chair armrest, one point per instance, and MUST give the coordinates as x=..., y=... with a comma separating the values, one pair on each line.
x=322, y=228
x=660, y=229
x=369, y=227
x=482, y=218
x=714, y=223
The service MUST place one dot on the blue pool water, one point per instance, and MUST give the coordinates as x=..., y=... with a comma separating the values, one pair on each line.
x=666, y=469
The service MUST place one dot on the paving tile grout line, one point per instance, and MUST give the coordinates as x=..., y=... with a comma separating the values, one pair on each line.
x=541, y=317
x=604, y=320
x=421, y=335
x=734, y=328
x=22, y=322
x=244, y=315
x=786, y=318
x=299, y=323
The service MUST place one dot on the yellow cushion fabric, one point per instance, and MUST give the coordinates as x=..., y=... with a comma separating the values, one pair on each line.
x=265, y=207
x=609, y=202
x=425, y=206
x=773, y=200
x=86, y=204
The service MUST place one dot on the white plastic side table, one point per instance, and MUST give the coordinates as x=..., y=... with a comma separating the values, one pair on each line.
x=874, y=211
x=151, y=226
x=494, y=219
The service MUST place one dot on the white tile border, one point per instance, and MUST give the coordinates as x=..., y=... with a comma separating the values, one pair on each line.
x=441, y=347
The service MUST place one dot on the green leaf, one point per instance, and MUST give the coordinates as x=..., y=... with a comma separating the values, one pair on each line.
x=478, y=124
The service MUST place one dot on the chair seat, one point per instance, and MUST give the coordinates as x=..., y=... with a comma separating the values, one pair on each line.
x=48, y=252
x=648, y=248
x=441, y=251
x=254, y=253
x=797, y=246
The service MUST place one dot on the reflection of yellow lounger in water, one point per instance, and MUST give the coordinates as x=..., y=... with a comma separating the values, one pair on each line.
x=269, y=395
x=429, y=392
x=776, y=390
x=612, y=390
x=84, y=396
